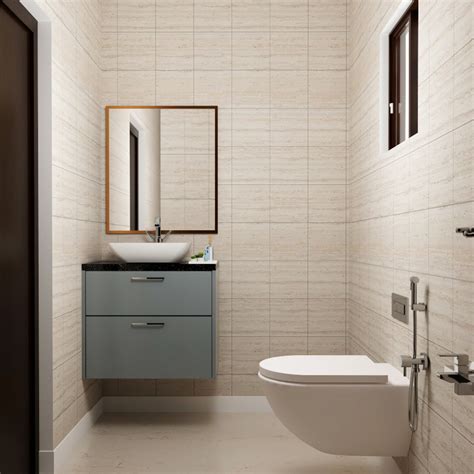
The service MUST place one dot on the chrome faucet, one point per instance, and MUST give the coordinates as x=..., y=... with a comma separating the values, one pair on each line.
x=157, y=237
x=463, y=379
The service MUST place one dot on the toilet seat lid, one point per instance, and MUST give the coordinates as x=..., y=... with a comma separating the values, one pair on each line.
x=324, y=369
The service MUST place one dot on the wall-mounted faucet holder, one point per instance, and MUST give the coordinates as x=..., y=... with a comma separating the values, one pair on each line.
x=463, y=378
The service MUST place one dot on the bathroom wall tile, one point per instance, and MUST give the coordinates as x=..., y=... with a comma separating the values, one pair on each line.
x=108, y=15
x=289, y=203
x=212, y=15
x=419, y=222
x=289, y=242
x=212, y=51
x=289, y=91
x=174, y=51
x=441, y=241
x=250, y=203
x=248, y=15
x=174, y=15
x=288, y=345
x=289, y=165
x=463, y=78
x=463, y=173
x=250, y=89
x=289, y=127
x=441, y=171
x=442, y=99
x=327, y=15
x=136, y=51
x=463, y=320
x=327, y=89
x=224, y=276
x=288, y=317
x=463, y=31
x=225, y=316
x=174, y=87
x=136, y=387
x=133, y=15
x=250, y=241
x=136, y=87
x=462, y=453
x=212, y=88
x=326, y=279
x=224, y=356
x=327, y=127
x=220, y=386
x=250, y=50
x=250, y=317
x=288, y=279
x=326, y=345
x=463, y=248
x=440, y=316
x=247, y=352
x=287, y=15
x=441, y=36
x=289, y=51
x=250, y=279
x=327, y=317
x=246, y=385
x=327, y=242
x=250, y=127
x=327, y=165
x=250, y=165
x=327, y=50
x=174, y=388
x=327, y=203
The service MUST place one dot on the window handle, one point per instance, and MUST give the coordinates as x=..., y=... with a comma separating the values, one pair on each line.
x=390, y=107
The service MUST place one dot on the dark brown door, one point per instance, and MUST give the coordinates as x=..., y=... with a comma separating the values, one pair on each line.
x=18, y=240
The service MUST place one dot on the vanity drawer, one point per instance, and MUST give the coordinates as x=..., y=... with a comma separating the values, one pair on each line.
x=148, y=347
x=149, y=293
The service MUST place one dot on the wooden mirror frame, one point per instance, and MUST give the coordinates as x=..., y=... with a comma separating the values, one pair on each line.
x=107, y=167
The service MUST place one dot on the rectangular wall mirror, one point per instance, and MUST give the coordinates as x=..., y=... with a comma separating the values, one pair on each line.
x=161, y=161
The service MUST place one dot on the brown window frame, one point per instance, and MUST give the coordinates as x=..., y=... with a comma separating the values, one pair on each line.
x=410, y=21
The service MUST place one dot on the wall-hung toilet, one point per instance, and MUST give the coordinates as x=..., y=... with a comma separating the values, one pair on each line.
x=340, y=404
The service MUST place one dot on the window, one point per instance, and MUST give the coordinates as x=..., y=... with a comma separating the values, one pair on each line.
x=133, y=178
x=403, y=77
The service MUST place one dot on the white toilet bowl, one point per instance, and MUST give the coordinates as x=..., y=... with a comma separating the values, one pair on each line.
x=340, y=404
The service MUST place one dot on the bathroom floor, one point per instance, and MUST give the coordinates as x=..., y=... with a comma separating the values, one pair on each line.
x=206, y=443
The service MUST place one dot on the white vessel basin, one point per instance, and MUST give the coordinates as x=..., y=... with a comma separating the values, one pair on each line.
x=151, y=251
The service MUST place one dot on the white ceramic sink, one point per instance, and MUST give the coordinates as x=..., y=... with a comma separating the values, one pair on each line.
x=151, y=251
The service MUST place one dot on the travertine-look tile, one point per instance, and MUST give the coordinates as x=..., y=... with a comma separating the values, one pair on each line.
x=136, y=51
x=327, y=50
x=135, y=15
x=247, y=352
x=250, y=50
x=174, y=51
x=250, y=317
x=289, y=51
x=288, y=203
x=288, y=279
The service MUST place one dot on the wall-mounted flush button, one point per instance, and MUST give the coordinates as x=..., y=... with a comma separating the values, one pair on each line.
x=400, y=307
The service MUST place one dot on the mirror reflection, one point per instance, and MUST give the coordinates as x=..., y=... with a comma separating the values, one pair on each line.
x=161, y=163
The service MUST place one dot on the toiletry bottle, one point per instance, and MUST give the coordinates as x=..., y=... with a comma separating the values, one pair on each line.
x=210, y=249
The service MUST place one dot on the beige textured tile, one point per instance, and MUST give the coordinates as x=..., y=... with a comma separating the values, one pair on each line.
x=463, y=79
x=327, y=203
x=327, y=242
x=463, y=249
x=250, y=89
x=224, y=356
x=174, y=15
x=224, y=308
x=463, y=30
x=463, y=320
x=135, y=15
x=250, y=279
x=136, y=387
x=327, y=279
x=250, y=203
x=250, y=165
x=327, y=50
x=136, y=51
x=220, y=386
x=441, y=241
x=441, y=20
x=288, y=279
x=246, y=385
x=289, y=127
x=289, y=203
x=327, y=89
x=288, y=345
x=288, y=318
x=419, y=222
x=327, y=165
x=463, y=173
x=136, y=87
x=327, y=127
x=463, y=458
x=327, y=317
x=247, y=352
x=289, y=91
x=251, y=127
x=442, y=99
x=327, y=15
x=288, y=242
x=289, y=51
x=326, y=345
x=174, y=51
x=212, y=51
x=289, y=15
x=250, y=241
x=108, y=15
x=248, y=15
x=174, y=87
x=250, y=50
x=289, y=165
x=212, y=88
x=212, y=15
x=250, y=317
x=441, y=171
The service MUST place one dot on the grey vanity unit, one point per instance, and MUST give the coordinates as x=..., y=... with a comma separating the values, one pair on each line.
x=149, y=320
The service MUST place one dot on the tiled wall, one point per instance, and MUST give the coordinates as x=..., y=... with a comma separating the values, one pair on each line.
x=403, y=207
x=277, y=71
x=77, y=195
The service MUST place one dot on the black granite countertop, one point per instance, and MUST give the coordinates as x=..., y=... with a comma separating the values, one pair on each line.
x=117, y=266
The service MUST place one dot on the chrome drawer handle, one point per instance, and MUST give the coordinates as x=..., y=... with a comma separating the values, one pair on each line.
x=155, y=279
x=147, y=325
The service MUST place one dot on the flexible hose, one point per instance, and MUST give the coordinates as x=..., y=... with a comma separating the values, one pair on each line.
x=413, y=399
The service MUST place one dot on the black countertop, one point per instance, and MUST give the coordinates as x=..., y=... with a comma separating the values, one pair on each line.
x=147, y=267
